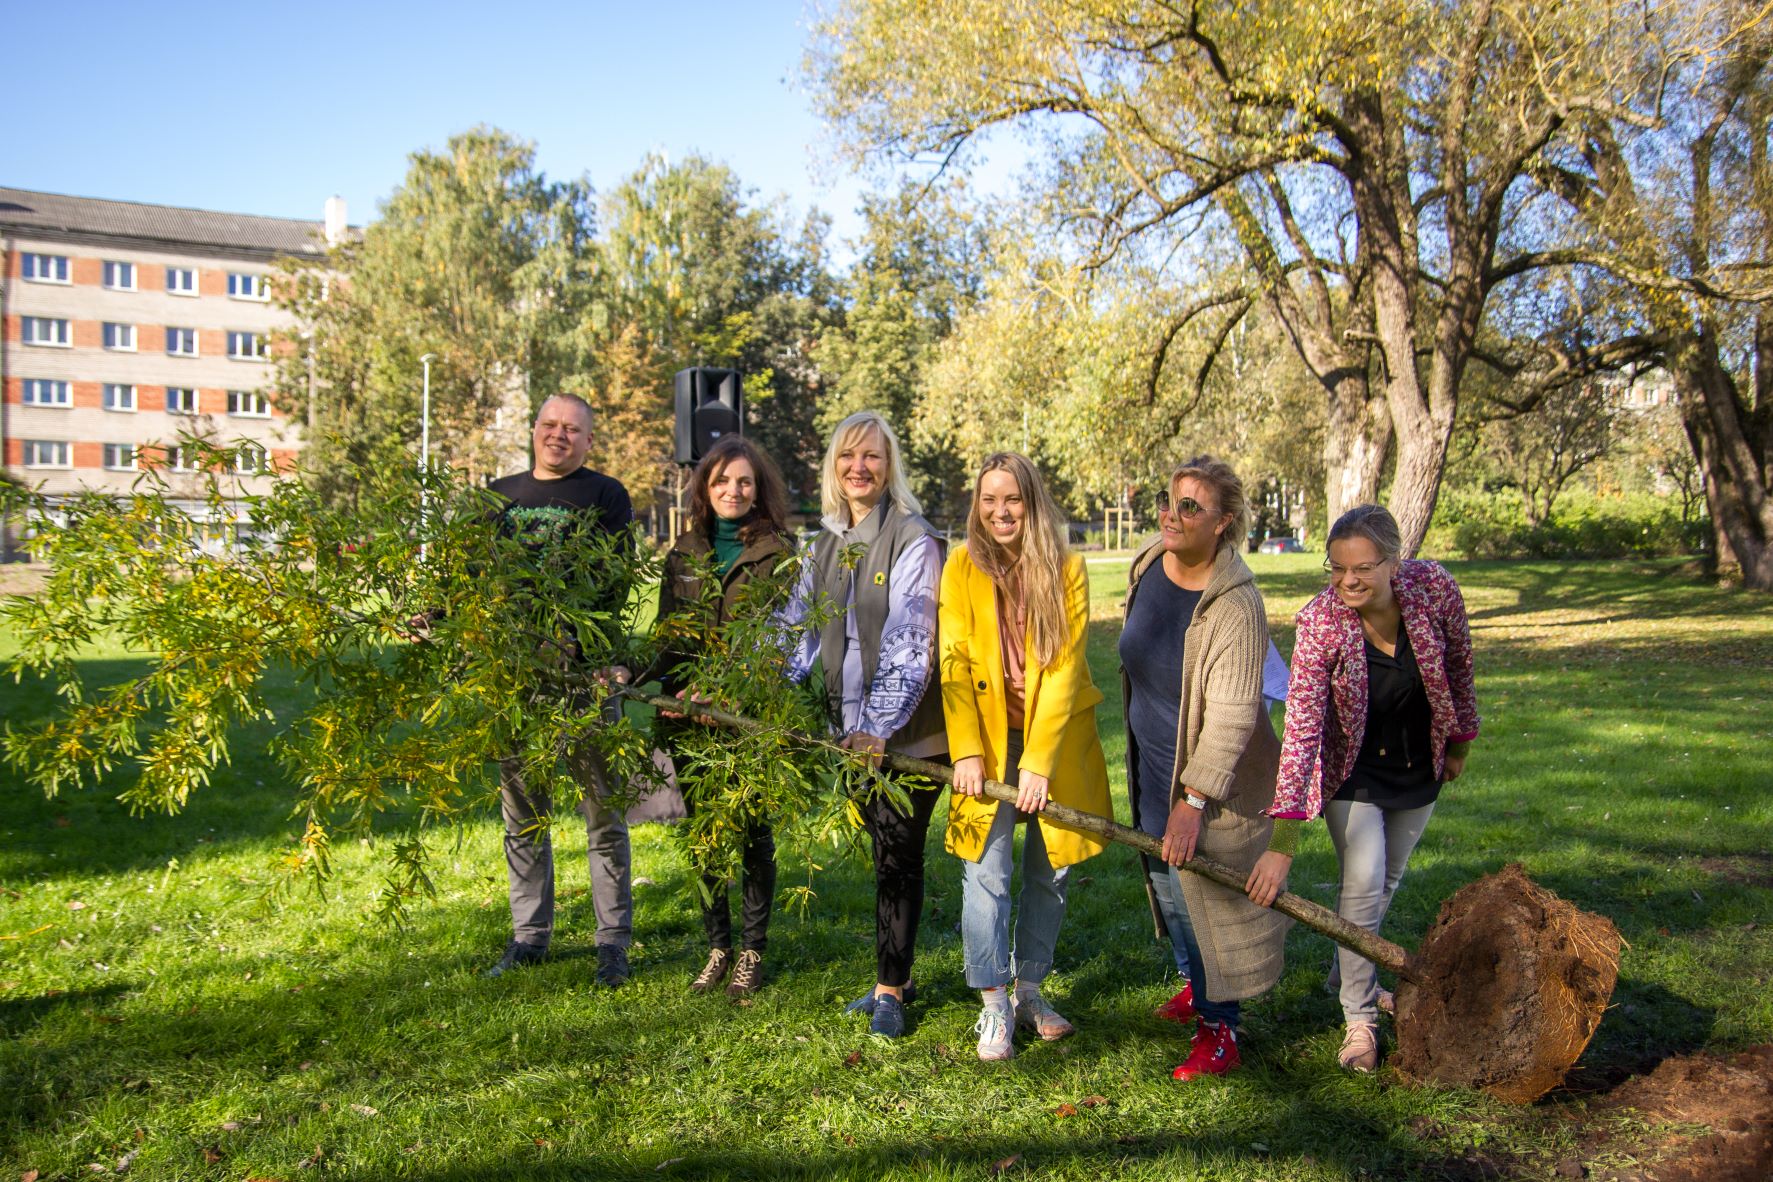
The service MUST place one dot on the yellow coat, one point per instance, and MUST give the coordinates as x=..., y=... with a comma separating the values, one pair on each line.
x=1059, y=715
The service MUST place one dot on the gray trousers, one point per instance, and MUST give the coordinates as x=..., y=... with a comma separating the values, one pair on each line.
x=1373, y=845
x=529, y=853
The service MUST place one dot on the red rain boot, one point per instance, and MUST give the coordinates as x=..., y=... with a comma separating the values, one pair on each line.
x=1214, y=1052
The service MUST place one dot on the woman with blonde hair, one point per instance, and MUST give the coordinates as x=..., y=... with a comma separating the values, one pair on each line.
x=877, y=648
x=1021, y=709
x=1201, y=751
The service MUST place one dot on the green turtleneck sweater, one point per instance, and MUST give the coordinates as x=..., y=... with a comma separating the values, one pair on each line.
x=727, y=546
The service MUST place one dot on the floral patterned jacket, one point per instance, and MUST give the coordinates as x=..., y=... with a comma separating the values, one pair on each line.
x=1327, y=697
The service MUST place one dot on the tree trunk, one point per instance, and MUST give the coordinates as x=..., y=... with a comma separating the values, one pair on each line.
x=1730, y=459
x=1357, y=437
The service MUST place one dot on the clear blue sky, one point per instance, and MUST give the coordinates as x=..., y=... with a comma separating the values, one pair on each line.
x=271, y=108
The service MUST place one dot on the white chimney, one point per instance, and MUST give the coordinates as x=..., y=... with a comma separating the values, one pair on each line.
x=335, y=220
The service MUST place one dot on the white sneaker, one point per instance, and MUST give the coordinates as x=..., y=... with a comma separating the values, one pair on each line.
x=994, y=1034
x=1036, y=1013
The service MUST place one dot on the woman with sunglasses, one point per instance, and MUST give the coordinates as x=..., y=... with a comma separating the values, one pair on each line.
x=1380, y=714
x=1201, y=751
x=1021, y=710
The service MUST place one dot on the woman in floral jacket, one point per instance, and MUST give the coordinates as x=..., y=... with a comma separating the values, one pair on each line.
x=1380, y=713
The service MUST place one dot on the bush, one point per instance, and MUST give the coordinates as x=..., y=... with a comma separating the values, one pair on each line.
x=1472, y=523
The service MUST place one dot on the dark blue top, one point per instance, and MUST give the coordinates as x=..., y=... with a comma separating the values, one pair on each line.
x=1151, y=653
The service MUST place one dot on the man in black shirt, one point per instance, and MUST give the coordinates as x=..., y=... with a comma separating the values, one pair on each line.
x=548, y=506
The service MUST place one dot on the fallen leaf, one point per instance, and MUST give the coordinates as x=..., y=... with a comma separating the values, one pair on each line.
x=543, y=1142
x=230, y=1126
x=62, y=822
x=999, y=1167
x=305, y=1064
x=76, y=905
x=1065, y=1110
x=141, y=1135
x=852, y=1059
x=297, y=988
x=1258, y=1147
x=211, y=1154
x=28, y=1176
x=127, y=1160
x=1093, y=1101
x=667, y=1163
x=104, y=1019
x=364, y=1110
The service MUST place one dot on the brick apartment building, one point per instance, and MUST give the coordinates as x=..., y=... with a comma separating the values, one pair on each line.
x=126, y=325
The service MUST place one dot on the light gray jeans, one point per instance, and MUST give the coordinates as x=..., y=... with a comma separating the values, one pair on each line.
x=1373, y=845
x=985, y=900
x=529, y=853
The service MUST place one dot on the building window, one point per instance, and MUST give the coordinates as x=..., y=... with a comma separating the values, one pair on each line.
x=46, y=330
x=181, y=459
x=119, y=276
x=46, y=392
x=181, y=281
x=119, y=396
x=181, y=342
x=46, y=453
x=45, y=268
x=249, y=460
x=246, y=346
x=248, y=404
x=243, y=285
x=120, y=457
x=181, y=400
x=120, y=336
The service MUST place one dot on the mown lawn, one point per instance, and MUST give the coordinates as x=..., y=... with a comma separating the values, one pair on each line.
x=158, y=1012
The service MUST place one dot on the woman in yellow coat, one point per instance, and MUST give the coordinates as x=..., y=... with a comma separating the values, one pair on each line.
x=1021, y=709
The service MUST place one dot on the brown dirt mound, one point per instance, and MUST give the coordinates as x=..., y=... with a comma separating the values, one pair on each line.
x=1513, y=983
x=1731, y=1096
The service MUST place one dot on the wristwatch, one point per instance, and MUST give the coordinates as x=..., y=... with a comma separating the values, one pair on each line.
x=1195, y=802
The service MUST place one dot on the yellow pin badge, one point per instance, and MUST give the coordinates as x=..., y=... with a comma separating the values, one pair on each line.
x=880, y=578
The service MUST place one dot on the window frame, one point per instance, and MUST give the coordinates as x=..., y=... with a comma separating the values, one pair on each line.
x=30, y=386
x=108, y=270
x=105, y=336
x=252, y=448
x=171, y=352
x=189, y=292
x=105, y=391
x=256, y=398
x=260, y=282
x=26, y=323
x=29, y=257
x=196, y=406
x=29, y=450
x=261, y=342
x=130, y=449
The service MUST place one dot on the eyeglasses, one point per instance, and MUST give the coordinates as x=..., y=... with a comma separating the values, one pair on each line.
x=1186, y=507
x=1363, y=572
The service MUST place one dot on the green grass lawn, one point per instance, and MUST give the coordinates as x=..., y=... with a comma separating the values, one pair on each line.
x=156, y=1008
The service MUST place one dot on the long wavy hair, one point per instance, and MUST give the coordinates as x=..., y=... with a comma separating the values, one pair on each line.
x=769, y=515
x=1035, y=576
x=851, y=430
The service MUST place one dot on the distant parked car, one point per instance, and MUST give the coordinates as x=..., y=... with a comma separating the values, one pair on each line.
x=1281, y=546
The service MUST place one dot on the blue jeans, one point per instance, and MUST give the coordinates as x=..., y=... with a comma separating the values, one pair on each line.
x=1374, y=845
x=1166, y=884
x=985, y=899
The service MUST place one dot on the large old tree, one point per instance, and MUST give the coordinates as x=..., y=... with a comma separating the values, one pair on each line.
x=1368, y=158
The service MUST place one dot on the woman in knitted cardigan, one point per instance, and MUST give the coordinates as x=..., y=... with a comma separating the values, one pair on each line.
x=1201, y=751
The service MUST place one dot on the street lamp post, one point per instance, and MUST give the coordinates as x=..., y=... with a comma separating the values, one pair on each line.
x=424, y=451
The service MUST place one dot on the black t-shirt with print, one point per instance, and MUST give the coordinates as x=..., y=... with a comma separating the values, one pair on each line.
x=546, y=513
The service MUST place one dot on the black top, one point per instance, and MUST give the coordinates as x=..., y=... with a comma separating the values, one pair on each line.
x=544, y=514
x=1395, y=767
x=541, y=510
x=1151, y=646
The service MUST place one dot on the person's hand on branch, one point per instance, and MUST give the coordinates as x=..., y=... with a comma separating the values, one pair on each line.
x=1182, y=832
x=969, y=775
x=863, y=743
x=1268, y=877
x=611, y=675
x=1031, y=791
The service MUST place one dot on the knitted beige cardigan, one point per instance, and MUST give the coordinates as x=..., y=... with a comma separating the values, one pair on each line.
x=1226, y=751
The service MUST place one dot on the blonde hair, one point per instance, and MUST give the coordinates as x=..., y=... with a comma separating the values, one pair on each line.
x=1217, y=475
x=1035, y=577
x=831, y=499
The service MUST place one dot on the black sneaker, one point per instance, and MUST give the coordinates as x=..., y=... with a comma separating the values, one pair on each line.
x=517, y=955
x=612, y=965
x=747, y=974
